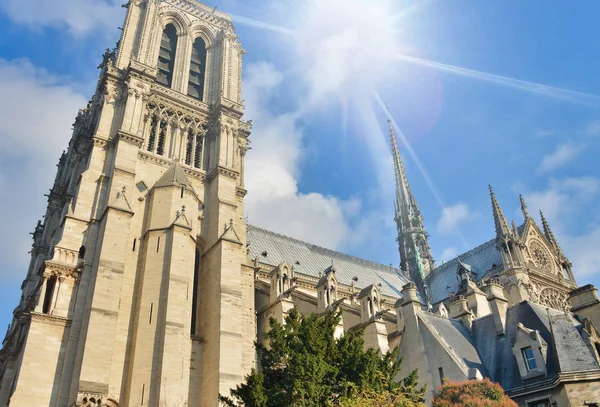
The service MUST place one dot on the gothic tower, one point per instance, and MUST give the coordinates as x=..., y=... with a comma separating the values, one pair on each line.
x=139, y=291
x=413, y=244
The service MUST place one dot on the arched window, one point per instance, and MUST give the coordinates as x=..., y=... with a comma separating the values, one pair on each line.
x=153, y=129
x=162, y=137
x=197, y=69
x=50, y=284
x=81, y=252
x=193, y=151
x=166, y=55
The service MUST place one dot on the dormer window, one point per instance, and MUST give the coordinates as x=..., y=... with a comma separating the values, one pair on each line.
x=529, y=358
x=531, y=352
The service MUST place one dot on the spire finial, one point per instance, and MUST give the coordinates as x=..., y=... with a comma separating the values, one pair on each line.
x=500, y=222
x=524, y=207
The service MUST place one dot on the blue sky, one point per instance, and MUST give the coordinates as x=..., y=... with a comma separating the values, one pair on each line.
x=486, y=92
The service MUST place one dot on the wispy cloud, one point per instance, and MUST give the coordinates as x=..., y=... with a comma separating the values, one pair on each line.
x=80, y=17
x=452, y=217
x=37, y=117
x=563, y=154
x=593, y=128
x=561, y=201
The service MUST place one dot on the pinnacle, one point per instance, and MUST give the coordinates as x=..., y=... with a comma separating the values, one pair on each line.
x=502, y=228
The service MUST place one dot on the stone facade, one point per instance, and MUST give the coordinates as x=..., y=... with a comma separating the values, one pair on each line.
x=147, y=288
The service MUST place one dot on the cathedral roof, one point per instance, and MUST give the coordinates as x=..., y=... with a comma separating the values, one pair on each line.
x=174, y=176
x=482, y=260
x=457, y=337
x=272, y=248
x=443, y=279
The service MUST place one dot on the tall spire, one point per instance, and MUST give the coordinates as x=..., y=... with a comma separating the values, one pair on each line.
x=524, y=207
x=502, y=228
x=549, y=234
x=415, y=254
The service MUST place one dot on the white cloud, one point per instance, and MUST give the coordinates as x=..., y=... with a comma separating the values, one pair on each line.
x=37, y=112
x=563, y=196
x=78, y=16
x=274, y=201
x=593, y=128
x=452, y=216
x=353, y=47
x=562, y=201
x=562, y=156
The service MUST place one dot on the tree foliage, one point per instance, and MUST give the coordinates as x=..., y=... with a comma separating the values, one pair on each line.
x=473, y=393
x=304, y=366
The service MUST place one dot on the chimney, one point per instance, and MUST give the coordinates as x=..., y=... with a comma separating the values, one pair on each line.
x=586, y=303
x=478, y=303
x=498, y=305
x=460, y=310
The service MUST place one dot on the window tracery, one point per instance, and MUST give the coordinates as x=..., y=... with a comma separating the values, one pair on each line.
x=552, y=298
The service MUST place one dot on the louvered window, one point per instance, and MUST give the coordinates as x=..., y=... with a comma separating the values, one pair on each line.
x=166, y=55
x=197, y=70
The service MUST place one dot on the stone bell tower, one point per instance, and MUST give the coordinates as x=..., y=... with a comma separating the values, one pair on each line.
x=139, y=291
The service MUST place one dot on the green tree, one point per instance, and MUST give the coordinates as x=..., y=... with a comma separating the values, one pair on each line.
x=472, y=393
x=305, y=366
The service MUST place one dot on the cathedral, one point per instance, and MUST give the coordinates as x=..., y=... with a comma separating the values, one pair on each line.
x=146, y=287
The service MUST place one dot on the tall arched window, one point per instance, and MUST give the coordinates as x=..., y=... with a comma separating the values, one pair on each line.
x=166, y=55
x=197, y=69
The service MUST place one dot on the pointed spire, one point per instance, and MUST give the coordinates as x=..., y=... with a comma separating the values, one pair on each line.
x=502, y=228
x=402, y=187
x=548, y=231
x=415, y=254
x=524, y=207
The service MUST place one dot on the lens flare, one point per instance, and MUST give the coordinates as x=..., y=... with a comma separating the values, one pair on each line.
x=532, y=87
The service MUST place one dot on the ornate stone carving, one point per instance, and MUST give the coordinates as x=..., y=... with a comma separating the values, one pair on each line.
x=541, y=256
x=552, y=298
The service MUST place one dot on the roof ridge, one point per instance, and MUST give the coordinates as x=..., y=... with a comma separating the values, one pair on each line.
x=347, y=256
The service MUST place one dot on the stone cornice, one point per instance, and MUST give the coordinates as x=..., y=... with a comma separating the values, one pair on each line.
x=219, y=170
x=203, y=12
x=50, y=319
x=129, y=138
x=553, y=382
x=165, y=162
x=184, y=102
x=241, y=192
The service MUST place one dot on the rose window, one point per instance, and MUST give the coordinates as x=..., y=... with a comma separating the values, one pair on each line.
x=541, y=256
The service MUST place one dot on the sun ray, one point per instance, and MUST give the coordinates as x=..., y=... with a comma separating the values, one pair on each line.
x=418, y=162
x=532, y=87
x=259, y=24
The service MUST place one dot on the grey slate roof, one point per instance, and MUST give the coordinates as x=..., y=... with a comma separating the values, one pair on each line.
x=443, y=279
x=483, y=260
x=314, y=260
x=567, y=351
x=457, y=337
